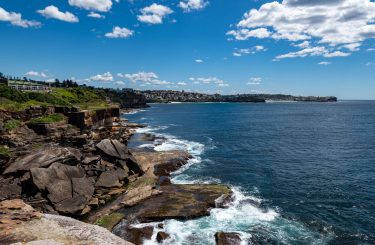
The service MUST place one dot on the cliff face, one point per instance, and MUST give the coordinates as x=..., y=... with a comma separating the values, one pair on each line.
x=166, y=96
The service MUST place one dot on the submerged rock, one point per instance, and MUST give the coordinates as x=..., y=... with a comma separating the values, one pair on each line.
x=227, y=238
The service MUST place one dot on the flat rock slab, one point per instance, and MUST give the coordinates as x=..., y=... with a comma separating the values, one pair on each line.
x=44, y=157
x=163, y=162
x=178, y=202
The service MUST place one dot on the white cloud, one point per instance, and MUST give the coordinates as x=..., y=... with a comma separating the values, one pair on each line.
x=96, y=15
x=120, y=83
x=371, y=49
x=246, y=51
x=190, y=5
x=16, y=19
x=332, y=24
x=54, y=13
x=199, y=61
x=182, y=84
x=147, y=78
x=36, y=74
x=370, y=64
x=255, y=81
x=94, y=5
x=209, y=80
x=313, y=51
x=106, y=77
x=154, y=14
x=324, y=63
x=118, y=32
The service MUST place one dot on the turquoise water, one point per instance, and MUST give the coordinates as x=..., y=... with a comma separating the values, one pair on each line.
x=303, y=173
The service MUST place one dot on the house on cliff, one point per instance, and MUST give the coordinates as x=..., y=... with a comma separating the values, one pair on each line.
x=26, y=85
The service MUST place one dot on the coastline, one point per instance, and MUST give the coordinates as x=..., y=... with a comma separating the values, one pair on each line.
x=114, y=186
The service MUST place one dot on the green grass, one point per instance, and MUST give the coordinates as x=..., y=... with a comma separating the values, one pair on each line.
x=48, y=119
x=110, y=220
x=11, y=124
x=4, y=151
x=84, y=97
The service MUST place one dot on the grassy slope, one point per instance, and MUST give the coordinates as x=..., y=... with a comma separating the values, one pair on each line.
x=83, y=97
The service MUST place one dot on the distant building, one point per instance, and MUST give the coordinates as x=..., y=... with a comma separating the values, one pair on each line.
x=28, y=86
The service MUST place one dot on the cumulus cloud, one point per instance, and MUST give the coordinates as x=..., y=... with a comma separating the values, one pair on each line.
x=145, y=78
x=96, y=15
x=154, y=14
x=191, y=5
x=334, y=24
x=120, y=83
x=199, y=61
x=54, y=13
x=324, y=63
x=118, y=32
x=182, y=84
x=16, y=19
x=255, y=81
x=94, y=5
x=246, y=51
x=106, y=77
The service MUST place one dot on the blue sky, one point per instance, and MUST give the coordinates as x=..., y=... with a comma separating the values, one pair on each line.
x=300, y=47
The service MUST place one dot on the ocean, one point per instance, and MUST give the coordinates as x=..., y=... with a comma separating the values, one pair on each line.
x=302, y=173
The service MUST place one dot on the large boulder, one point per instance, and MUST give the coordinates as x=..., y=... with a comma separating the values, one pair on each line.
x=21, y=224
x=111, y=178
x=114, y=148
x=66, y=186
x=227, y=238
x=43, y=157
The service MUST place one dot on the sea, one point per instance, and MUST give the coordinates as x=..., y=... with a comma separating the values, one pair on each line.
x=302, y=173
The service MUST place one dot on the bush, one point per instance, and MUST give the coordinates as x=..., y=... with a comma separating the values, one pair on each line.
x=4, y=151
x=48, y=119
x=12, y=94
x=11, y=124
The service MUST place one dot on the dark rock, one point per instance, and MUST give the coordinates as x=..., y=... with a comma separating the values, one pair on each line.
x=137, y=235
x=162, y=236
x=161, y=225
x=177, y=202
x=91, y=159
x=10, y=188
x=164, y=180
x=114, y=148
x=59, y=190
x=44, y=157
x=230, y=238
x=108, y=179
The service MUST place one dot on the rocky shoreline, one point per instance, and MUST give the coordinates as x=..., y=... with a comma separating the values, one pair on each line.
x=88, y=173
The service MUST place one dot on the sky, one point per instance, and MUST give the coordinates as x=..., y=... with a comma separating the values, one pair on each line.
x=299, y=47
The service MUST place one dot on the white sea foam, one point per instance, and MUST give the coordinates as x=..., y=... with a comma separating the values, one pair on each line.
x=133, y=111
x=244, y=214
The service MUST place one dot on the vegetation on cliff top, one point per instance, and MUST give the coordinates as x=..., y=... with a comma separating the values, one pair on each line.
x=48, y=119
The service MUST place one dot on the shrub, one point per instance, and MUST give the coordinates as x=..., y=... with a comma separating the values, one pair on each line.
x=48, y=119
x=11, y=124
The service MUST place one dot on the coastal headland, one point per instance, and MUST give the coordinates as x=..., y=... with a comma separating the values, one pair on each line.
x=66, y=169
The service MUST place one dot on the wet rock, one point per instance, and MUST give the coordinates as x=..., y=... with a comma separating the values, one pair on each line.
x=177, y=202
x=227, y=238
x=164, y=180
x=137, y=235
x=44, y=157
x=162, y=236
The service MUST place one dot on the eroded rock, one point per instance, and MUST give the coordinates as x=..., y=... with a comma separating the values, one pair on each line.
x=227, y=238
